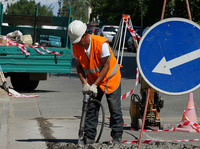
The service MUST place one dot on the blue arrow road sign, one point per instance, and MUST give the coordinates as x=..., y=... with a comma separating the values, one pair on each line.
x=168, y=56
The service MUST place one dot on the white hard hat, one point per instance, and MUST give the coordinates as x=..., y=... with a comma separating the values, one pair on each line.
x=76, y=29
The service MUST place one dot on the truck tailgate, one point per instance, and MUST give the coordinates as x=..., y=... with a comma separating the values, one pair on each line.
x=13, y=60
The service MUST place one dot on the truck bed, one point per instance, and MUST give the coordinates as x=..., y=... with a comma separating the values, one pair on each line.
x=13, y=60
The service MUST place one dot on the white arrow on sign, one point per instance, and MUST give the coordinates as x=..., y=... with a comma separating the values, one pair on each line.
x=164, y=67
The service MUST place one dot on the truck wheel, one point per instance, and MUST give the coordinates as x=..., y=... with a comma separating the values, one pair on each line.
x=139, y=123
x=21, y=82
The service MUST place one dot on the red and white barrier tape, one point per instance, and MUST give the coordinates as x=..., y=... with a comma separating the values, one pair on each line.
x=187, y=121
x=132, y=31
x=148, y=130
x=22, y=96
x=148, y=141
x=21, y=46
x=170, y=124
x=136, y=83
x=166, y=130
x=24, y=50
x=48, y=51
x=26, y=96
x=39, y=51
x=134, y=34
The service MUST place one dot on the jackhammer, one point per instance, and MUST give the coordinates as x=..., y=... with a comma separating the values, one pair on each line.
x=87, y=100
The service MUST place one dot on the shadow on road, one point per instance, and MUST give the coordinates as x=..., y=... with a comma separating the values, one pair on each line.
x=50, y=140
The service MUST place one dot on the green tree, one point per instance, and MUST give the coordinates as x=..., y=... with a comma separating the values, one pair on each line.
x=153, y=11
x=25, y=7
x=143, y=12
x=178, y=8
x=78, y=9
x=111, y=11
x=174, y=8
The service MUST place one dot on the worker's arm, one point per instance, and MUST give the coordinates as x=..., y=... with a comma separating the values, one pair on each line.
x=80, y=72
x=106, y=66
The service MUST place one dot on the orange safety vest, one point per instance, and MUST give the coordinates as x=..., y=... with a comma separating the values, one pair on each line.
x=93, y=65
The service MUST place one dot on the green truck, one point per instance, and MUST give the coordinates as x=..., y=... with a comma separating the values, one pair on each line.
x=26, y=70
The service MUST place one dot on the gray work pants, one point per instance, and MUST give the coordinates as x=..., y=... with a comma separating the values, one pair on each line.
x=116, y=117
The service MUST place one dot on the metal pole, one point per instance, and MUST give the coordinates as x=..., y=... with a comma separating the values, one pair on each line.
x=120, y=39
x=35, y=22
x=141, y=8
x=68, y=43
x=1, y=19
x=163, y=11
x=188, y=9
x=144, y=118
x=122, y=53
x=117, y=37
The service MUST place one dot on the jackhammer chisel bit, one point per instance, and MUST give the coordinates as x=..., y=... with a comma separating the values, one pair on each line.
x=83, y=117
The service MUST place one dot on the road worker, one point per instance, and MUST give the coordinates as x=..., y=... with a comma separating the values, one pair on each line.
x=99, y=73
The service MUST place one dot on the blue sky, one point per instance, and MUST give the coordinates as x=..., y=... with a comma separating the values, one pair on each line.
x=49, y=2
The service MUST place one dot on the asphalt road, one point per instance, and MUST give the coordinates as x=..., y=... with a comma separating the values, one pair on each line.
x=53, y=118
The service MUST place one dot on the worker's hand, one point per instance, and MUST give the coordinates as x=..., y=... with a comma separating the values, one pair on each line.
x=86, y=88
x=93, y=90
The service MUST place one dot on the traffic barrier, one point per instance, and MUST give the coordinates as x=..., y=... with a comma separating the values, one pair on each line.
x=132, y=31
x=189, y=120
x=126, y=19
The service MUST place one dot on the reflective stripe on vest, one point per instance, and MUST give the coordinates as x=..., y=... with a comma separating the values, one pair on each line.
x=94, y=69
x=112, y=74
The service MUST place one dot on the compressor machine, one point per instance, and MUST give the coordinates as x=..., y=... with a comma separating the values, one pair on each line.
x=137, y=106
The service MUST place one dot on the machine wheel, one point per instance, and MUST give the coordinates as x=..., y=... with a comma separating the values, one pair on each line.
x=139, y=124
x=21, y=82
x=160, y=125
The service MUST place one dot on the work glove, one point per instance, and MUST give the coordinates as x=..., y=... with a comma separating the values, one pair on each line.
x=93, y=90
x=85, y=88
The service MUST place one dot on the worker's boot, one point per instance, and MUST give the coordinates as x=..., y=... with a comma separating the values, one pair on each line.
x=89, y=141
x=117, y=138
x=117, y=141
x=86, y=140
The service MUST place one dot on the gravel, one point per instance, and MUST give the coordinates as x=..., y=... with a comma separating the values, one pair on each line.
x=161, y=145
